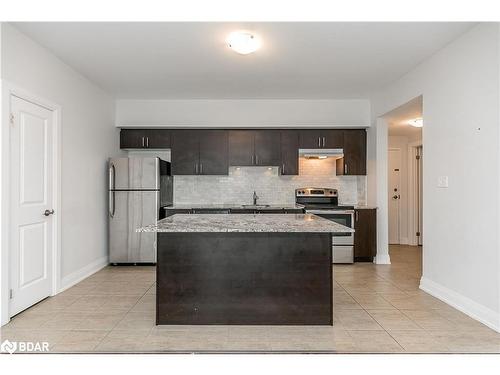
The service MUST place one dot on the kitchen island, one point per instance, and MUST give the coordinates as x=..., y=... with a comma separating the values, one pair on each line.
x=244, y=269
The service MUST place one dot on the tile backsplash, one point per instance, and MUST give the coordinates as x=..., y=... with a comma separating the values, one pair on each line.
x=271, y=188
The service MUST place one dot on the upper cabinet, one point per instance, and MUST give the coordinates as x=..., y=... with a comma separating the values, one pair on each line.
x=211, y=152
x=289, y=152
x=144, y=138
x=199, y=152
x=354, y=161
x=321, y=138
x=254, y=147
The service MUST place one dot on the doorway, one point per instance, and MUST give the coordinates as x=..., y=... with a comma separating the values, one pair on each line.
x=34, y=202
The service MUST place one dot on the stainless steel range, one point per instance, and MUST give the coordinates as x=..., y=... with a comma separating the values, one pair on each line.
x=324, y=202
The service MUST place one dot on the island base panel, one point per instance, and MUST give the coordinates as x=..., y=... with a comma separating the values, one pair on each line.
x=244, y=278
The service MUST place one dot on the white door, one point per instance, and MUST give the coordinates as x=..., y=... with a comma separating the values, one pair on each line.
x=394, y=194
x=32, y=219
x=419, y=194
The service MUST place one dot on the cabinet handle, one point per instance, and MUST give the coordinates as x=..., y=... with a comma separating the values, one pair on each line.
x=256, y=160
x=142, y=141
x=345, y=169
x=196, y=168
x=324, y=141
x=147, y=142
x=319, y=141
x=357, y=215
x=201, y=168
x=283, y=169
x=252, y=159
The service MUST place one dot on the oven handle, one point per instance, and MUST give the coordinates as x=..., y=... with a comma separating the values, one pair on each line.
x=329, y=212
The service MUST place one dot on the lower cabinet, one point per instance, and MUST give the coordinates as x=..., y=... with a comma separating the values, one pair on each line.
x=365, y=237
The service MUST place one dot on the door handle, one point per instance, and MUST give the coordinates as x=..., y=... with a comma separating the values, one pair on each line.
x=112, y=176
x=111, y=204
x=48, y=212
x=396, y=196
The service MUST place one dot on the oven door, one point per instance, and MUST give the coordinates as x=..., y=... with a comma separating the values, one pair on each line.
x=343, y=217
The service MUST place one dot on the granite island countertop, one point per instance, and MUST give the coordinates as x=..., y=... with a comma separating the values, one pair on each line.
x=221, y=223
x=227, y=206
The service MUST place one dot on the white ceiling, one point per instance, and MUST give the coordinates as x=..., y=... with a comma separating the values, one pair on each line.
x=398, y=119
x=191, y=60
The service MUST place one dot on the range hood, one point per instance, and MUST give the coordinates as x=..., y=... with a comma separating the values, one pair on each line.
x=321, y=153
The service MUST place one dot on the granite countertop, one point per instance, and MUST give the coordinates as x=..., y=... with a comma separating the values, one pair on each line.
x=232, y=205
x=292, y=223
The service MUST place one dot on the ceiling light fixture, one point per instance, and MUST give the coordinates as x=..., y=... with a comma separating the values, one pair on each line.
x=243, y=42
x=417, y=123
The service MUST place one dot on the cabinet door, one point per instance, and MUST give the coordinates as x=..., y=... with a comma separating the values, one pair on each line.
x=354, y=162
x=289, y=152
x=333, y=138
x=185, y=154
x=213, y=152
x=158, y=138
x=310, y=139
x=132, y=138
x=241, y=147
x=267, y=147
x=365, y=237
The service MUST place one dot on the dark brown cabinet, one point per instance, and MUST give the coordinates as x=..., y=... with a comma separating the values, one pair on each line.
x=321, y=139
x=144, y=138
x=199, y=152
x=365, y=237
x=254, y=147
x=354, y=161
x=289, y=152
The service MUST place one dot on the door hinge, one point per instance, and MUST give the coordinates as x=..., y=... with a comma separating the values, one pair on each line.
x=417, y=157
x=10, y=294
x=418, y=234
x=12, y=118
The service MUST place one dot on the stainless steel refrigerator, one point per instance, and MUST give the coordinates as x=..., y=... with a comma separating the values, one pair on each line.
x=138, y=188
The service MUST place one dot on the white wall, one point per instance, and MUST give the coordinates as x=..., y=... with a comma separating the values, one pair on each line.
x=89, y=137
x=460, y=88
x=243, y=113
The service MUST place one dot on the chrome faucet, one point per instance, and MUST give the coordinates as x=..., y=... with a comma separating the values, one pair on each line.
x=255, y=197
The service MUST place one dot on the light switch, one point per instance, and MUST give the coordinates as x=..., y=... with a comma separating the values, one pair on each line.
x=443, y=181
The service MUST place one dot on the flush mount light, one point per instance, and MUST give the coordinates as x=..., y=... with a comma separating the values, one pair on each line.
x=243, y=42
x=417, y=123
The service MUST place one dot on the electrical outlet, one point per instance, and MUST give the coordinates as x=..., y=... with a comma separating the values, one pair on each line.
x=443, y=181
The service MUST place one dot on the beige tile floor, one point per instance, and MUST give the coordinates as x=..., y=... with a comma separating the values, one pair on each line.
x=378, y=308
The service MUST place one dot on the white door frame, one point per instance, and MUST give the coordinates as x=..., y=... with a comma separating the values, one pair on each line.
x=412, y=192
x=7, y=91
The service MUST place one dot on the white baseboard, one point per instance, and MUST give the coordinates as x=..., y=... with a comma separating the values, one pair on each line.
x=77, y=276
x=382, y=259
x=469, y=307
x=403, y=241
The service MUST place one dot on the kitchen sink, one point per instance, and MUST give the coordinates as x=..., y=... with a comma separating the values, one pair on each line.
x=255, y=205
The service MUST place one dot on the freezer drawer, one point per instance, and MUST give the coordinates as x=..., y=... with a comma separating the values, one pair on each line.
x=128, y=211
x=342, y=254
x=134, y=174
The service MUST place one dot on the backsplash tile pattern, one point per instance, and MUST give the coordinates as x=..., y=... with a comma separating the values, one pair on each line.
x=271, y=188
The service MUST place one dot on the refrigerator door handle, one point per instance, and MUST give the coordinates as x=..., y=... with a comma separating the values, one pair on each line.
x=112, y=176
x=112, y=204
